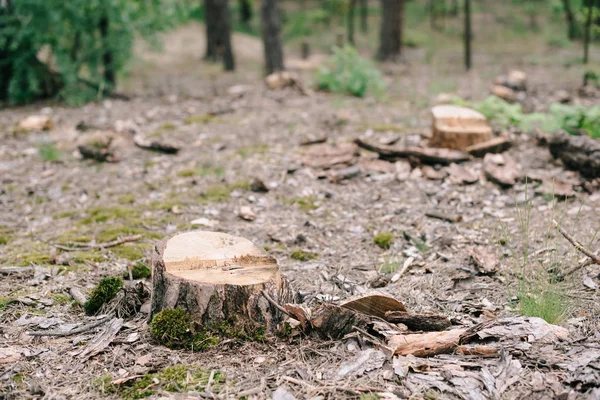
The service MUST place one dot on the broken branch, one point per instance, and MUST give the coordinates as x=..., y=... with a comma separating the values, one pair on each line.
x=578, y=246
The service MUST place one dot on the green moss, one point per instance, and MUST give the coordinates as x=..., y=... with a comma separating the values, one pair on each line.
x=18, y=379
x=3, y=302
x=302, y=255
x=384, y=128
x=306, y=203
x=114, y=232
x=186, y=173
x=171, y=327
x=130, y=251
x=104, y=384
x=104, y=292
x=166, y=205
x=82, y=257
x=199, y=119
x=260, y=148
x=4, y=239
x=167, y=126
x=74, y=235
x=384, y=239
x=35, y=258
x=103, y=214
x=216, y=193
x=60, y=299
x=138, y=271
x=49, y=152
x=64, y=214
x=369, y=396
x=128, y=198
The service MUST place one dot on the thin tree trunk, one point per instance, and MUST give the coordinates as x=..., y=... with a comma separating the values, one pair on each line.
x=454, y=9
x=364, y=15
x=570, y=19
x=468, y=34
x=245, y=11
x=351, y=8
x=218, y=33
x=271, y=35
x=588, y=29
x=390, y=45
x=107, y=58
x=6, y=70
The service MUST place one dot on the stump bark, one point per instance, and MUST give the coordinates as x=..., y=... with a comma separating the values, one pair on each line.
x=458, y=127
x=219, y=278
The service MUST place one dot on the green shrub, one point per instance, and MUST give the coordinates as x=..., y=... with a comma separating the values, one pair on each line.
x=72, y=48
x=349, y=73
x=104, y=292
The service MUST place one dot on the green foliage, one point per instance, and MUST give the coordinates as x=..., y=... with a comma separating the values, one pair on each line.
x=104, y=292
x=72, y=38
x=384, y=239
x=49, y=152
x=573, y=119
x=349, y=73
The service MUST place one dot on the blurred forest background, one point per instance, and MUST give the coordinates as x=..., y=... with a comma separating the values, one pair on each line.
x=82, y=50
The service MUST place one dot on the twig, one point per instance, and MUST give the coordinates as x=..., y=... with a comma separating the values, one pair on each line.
x=298, y=382
x=578, y=246
x=444, y=216
x=251, y=391
x=275, y=304
x=77, y=295
x=211, y=377
x=407, y=264
x=84, y=328
x=72, y=246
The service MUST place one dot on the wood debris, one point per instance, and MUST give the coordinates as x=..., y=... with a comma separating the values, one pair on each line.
x=495, y=146
x=373, y=304
x=581, y=153
x=595, y=259
x=327, y=156
x=556, y=188
x=433, y=174
x=458, y=128
x=485, y=260
x=444, y=216
x=36, y=123
x=258, y=186
x=461, y=175
x=364, y=361
x=419, y=322
x=282, y=79
x=426, y=344
x=161, y=146
x=102, y=340
x=505, y=93
x=426, y=155
x=339, y=175
x=501, y=169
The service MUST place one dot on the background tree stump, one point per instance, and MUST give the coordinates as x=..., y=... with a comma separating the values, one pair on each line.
x=218, y=278
x=458, y=128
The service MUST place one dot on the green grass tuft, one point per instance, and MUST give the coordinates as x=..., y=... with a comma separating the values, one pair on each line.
x=548, y=304
x=139, y=271
x=49, y=152
x=302, y=255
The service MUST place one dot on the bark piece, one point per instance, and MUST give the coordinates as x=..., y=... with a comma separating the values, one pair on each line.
x=258, y=186
x=501, y=169
x=433, y=174
x=160, y=146
x=425, y=155
x=458, y=128
x=581, y=153
x=365, y=361
x=505, y=93
x=282, y=79
x=339, y=175
x=373, y=304
x=327, y=156
x=495, y=145
x=378, y=166
x=444, y=216
x=486, y=260
x=217, y=278
x=36, y=123
x=461, y=175
x=556, y=188
x=426, y=344
x=530, y=329
x=419, y=322
x=103, y=339
x=334, y=322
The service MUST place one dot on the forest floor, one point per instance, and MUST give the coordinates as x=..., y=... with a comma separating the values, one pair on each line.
x=234, y=130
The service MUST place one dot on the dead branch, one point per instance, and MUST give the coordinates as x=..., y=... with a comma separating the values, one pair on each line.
x=578, y=246
x=84, y=328
x=443, y=216
x=72, y=246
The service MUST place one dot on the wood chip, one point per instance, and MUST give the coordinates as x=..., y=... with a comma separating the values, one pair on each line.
x=103, y=339
x=373, y=304
x=501, y=169
x=495, y=145
x=485, y=260
x=426, y=344
x=419, y=322
x=158, y=145
x=461, y=175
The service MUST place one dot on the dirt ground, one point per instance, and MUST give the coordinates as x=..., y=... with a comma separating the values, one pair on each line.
x=257, y=133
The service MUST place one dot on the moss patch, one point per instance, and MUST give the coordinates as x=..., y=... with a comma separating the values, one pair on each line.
x=82, y=257
x=302, y=255
x=103, y=214
x=64, y=214
x=199, y=119
x=172, y=328
x=384, y=239
x=104, y=292
x=247, y=151
x=138, y=271
x=306, y=203
x=114, y=232
x=130, y=251
x=60, y=299
x=128, y=198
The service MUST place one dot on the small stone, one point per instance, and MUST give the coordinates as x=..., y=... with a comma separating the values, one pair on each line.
x=247, y=214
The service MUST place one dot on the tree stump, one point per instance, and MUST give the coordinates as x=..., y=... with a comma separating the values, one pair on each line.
x=219, y=278
x=458, y=127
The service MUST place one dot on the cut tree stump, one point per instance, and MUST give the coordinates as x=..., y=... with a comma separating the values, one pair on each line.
x=458, y=128
x=581, y=153
x=218, y=278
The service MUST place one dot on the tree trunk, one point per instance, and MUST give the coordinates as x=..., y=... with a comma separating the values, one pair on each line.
x=6, y=70
x=390, y=45
x=107, y=58
x=271, y=35
x=467, y=34
x=245, y=11
x=571, y=32
x=218, y=278
x=351, y=8
x=364, y=15
x=218, y=33
x=587, y=33
x=454, y=8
